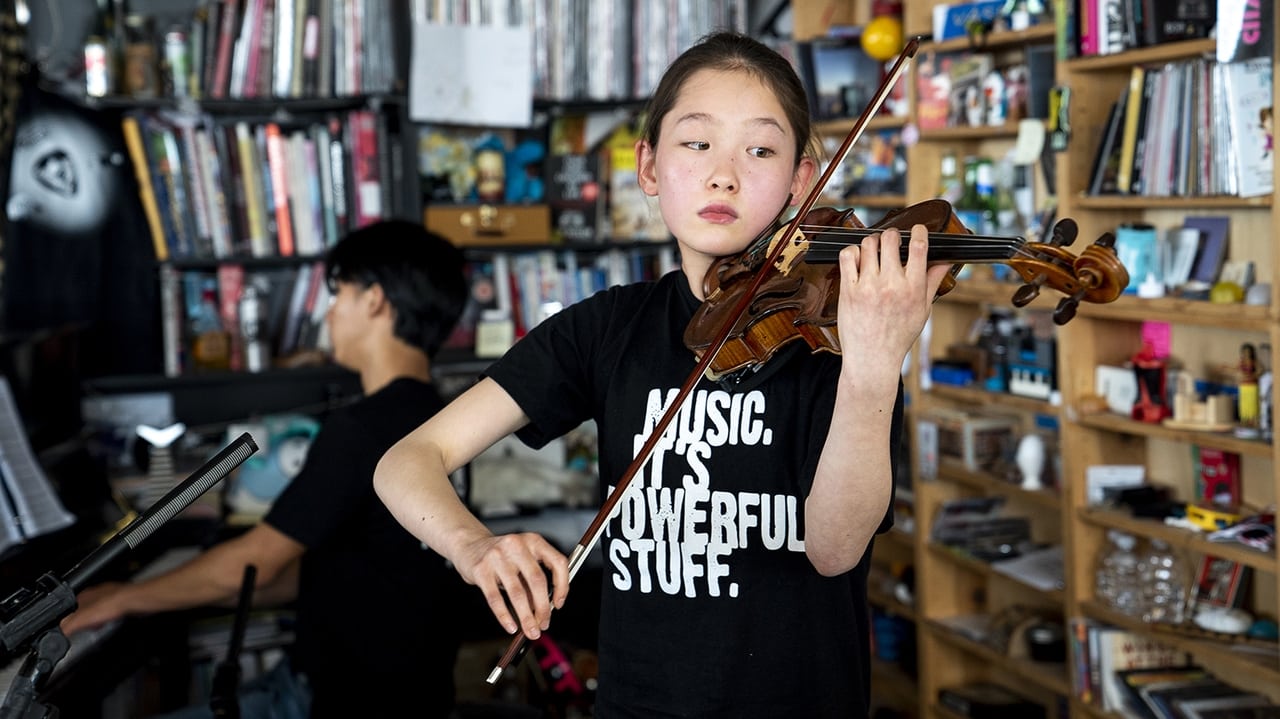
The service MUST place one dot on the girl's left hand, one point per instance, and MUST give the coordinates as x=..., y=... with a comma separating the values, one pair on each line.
x=883, y=302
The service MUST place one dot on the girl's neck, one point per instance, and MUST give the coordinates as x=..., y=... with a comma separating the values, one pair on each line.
x=695, y=267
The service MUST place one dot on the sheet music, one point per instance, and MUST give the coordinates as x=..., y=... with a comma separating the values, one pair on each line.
x=35, y=509
x=10, y=533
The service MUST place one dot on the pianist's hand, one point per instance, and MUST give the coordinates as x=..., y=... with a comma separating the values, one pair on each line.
x=98, y=605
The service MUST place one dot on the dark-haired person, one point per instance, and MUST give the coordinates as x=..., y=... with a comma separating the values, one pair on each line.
x=370, y=598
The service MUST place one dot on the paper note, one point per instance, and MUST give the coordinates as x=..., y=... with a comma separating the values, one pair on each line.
x=472, y=75
x=36, y=509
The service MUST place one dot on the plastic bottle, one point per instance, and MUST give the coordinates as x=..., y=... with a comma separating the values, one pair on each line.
x=950, y=187
x=1116, y=576
x=969, y=207
x=1163, y=578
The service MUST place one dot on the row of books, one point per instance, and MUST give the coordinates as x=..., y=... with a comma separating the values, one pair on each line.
x=297, y=48
x=207, y=325
x=221, y=188
x=1134, y=675
x=598, y=49
x=1103, y=27
x=1195, y=127
x=517, y=291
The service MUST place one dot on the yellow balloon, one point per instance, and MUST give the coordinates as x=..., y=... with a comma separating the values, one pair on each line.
x=882, y=37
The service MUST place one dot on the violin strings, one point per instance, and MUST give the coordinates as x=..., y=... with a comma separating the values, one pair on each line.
x=955, y=246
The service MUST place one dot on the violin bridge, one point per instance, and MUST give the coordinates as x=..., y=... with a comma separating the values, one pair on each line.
x=792, y=253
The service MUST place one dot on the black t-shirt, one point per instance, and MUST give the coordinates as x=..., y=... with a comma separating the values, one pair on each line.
x=710, y=606
x=374, y=634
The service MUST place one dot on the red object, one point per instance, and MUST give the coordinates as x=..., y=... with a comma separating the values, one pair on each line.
x=1150, y=373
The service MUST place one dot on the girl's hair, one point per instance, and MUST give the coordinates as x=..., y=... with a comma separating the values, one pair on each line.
x=420, y=273
x=728, y=51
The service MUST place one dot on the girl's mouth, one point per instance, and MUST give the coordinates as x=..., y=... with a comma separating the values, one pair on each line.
x=718, y=214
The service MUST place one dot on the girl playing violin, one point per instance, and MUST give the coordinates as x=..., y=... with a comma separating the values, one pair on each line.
x=735, y=568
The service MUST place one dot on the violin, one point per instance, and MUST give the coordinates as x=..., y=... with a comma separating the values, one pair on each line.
x=798, y=295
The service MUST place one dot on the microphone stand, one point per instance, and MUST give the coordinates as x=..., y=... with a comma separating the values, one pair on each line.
x=30, y=617
x=224, y=699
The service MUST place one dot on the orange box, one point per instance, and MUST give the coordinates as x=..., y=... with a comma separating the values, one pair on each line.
x=472, y=225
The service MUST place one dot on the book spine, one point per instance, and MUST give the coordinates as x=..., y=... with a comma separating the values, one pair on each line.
x=215, y=199
x=230, y=287
x=220, y=84
x=340, y=175
x=171, y=320
x=141, y=170
x=257, y=225
x=280, y=189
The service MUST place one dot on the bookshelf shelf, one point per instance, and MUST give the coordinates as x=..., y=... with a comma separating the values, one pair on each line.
x=1117, y=424
x=1147, y=55
x=1247, y=318
x=885, y=202
x=985, y=132
x=1145, y=202
x=899, y=537
x=842, y=126
x=890, y=680
x=1035, y=34
x=249, y=263
x=1226, y=657
x=1180, y=538
x=1081, y=708
x=1049, y=677
x=953, y=471
x=890, y=605
x=986, y=569
x=982, y=398
x=992, y=292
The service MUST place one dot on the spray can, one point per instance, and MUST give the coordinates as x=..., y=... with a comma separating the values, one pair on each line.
x=177, y=59
x=253, y=329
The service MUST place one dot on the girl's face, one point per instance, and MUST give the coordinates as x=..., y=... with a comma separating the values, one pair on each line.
x=723, y=166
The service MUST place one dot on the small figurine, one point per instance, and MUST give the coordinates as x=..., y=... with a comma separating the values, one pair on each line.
x=1149, y=370
x=1031, y=458
x=1247, y=407
x=1020, y=14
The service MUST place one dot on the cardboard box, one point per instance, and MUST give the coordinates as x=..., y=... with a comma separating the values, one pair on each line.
x=490, y=225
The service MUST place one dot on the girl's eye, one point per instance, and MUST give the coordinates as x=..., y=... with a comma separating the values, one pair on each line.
x=760, y=152
x=697, y=145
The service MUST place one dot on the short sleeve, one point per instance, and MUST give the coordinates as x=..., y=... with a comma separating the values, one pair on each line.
x=333, y=486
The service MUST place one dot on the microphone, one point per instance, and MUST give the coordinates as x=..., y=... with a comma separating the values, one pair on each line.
x=27, y=613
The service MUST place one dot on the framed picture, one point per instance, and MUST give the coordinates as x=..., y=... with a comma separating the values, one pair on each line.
x=1219, y=583
x=840, y=78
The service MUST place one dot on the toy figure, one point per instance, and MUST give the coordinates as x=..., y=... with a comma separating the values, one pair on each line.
x=490, y=174
x=1150, y=373
x=524, y=176
x=1247, y=405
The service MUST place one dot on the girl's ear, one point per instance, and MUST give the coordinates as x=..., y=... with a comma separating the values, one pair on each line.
x=800, y=181
x=645, y=171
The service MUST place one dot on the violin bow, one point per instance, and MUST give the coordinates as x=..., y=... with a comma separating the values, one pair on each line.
x=592, y=534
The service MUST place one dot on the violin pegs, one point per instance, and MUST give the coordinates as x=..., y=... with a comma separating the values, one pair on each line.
x=1107, y=240
x=1065, y=232
x=1026, y=294
x=1065, y=311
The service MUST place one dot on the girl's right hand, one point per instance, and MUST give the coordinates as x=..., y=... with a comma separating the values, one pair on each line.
x=511, y=570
